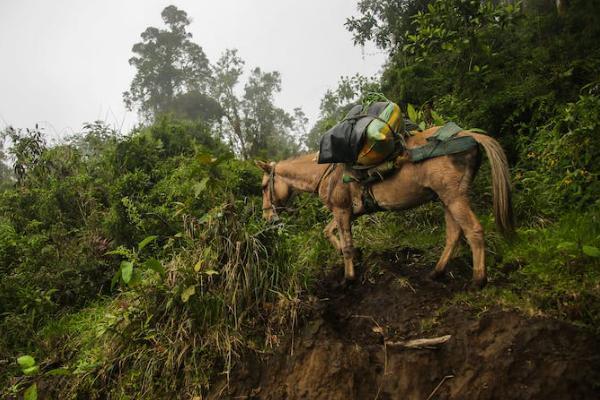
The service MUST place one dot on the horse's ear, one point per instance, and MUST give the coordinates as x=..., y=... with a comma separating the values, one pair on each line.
x=265, y=166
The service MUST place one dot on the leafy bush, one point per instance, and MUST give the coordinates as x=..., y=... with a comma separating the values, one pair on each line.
x=561, y=169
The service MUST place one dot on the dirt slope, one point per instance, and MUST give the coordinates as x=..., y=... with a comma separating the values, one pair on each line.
x=343, y=350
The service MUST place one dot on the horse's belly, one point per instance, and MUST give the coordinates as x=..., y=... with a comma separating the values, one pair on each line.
x=401, y=192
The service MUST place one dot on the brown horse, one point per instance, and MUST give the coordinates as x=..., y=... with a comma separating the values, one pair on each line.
x=446, y=177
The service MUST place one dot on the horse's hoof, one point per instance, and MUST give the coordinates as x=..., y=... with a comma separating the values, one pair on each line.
x=436, y=275
x=478, y=284
x=348, y=281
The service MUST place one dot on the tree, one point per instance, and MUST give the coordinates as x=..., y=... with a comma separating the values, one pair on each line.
x=385, y=22
x=255, y=126
x=168, y=65
x=6, y=173
x=26, y=150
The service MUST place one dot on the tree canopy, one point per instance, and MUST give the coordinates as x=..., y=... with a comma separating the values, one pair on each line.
x=175, y=76
x=168, y=65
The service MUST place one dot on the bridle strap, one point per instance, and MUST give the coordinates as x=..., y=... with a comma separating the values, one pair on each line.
x=323, y=175
x=271, y=185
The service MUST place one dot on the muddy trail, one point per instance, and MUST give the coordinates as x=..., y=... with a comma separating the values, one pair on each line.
x=352, y=345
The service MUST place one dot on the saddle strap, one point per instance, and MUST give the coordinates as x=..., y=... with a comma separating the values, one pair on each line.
x=368, y=199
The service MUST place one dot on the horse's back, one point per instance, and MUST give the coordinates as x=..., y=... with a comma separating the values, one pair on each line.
x=417, y=183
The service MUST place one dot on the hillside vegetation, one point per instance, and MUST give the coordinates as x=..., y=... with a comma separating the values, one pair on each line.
x=138, y=265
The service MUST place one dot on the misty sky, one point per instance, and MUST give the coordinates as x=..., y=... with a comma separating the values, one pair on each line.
x=64, y=62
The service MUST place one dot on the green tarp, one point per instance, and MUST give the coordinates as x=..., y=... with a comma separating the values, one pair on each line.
x=444, y=142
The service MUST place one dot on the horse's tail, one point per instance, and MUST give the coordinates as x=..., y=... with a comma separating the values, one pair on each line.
x=501, y=187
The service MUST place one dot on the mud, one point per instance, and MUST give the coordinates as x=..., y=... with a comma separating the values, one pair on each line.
x=345, y=350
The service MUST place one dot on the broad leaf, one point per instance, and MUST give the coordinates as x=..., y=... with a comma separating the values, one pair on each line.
x=412, y=113
x=155, y=266
x=31, y=370
x=591, y=251
x=126, y=270
x=59, y=372
x=26, y=361
x=566, y=246
x=30, y=393
x=146, y=242
x=115, y=279
x=187, y=293
x=200, y=187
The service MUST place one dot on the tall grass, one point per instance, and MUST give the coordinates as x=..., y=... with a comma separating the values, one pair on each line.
x=234, y=284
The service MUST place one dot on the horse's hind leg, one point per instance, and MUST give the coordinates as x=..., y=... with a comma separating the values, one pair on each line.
x=331, y=236
x=343, y=219
x=452, y=236
x=465, y=217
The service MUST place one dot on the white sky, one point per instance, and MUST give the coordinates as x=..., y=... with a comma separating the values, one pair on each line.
x=64, y=62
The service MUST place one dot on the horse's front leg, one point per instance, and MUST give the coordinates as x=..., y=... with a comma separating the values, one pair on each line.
x=343, y=219
x=331, y=236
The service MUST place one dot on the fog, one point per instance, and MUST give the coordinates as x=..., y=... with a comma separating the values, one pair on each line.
x=65, y=62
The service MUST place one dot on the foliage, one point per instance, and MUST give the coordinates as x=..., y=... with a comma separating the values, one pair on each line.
x=168, y=64
x=256, y=127
x=523, y=72
x=174, y=76
x=550, y=270
x=384, y=21
x=561, y=167
x=26, y=149
x=138, y=266
x=163, y=225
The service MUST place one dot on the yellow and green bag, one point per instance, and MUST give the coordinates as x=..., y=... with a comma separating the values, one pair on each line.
x=380, y=134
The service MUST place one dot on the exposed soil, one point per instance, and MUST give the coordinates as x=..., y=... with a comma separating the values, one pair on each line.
x=343, y=350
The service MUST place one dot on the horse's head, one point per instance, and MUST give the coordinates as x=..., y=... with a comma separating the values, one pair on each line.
x=275, y=191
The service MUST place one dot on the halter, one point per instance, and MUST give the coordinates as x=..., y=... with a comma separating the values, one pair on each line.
x=271, y=186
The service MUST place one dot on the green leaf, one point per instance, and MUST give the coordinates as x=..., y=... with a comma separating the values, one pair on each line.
x=187, y=293
x=26, y=361
x=115, y=279
x=437, y=119
x=126, y=270
x=31, y=370
x=200, y=186
x=146, y=242
x=566, y=246
x=59, y=372
x=591, y=251
x=155, y=266
x=412, y=113
x=30, y=393
x=210, y=272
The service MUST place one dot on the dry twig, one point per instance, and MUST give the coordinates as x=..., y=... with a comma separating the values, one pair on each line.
x=444, y=379
x=421, y=343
